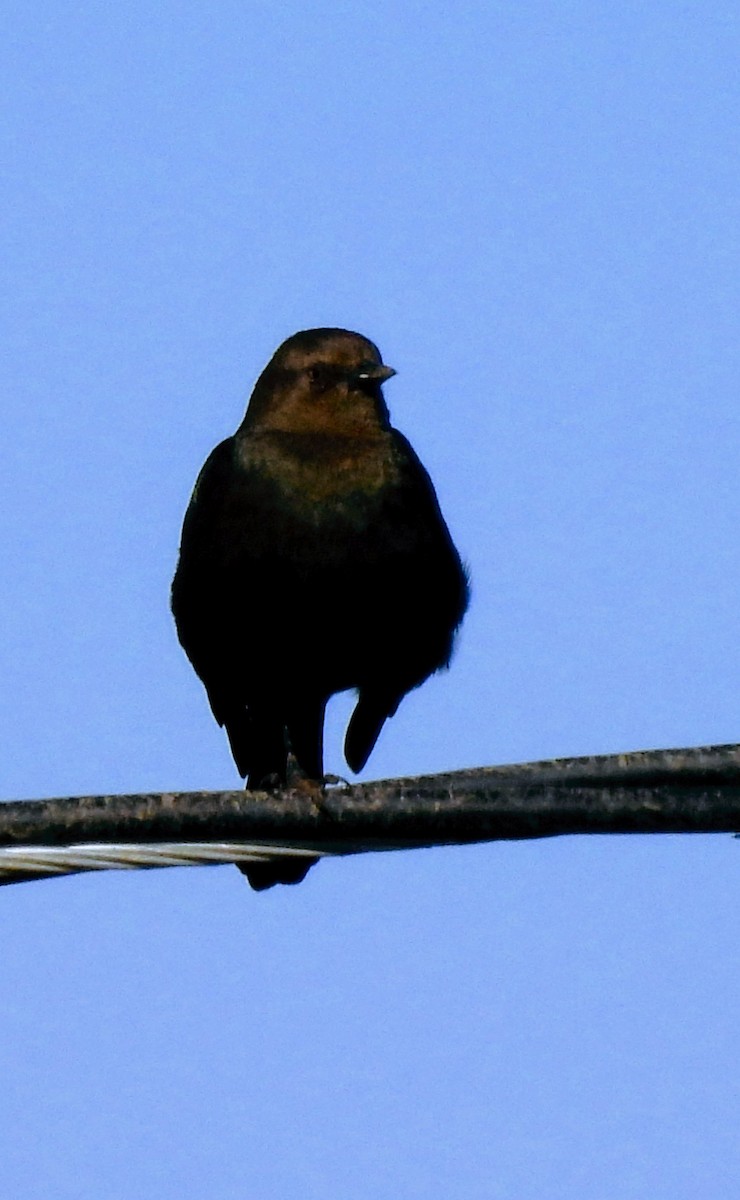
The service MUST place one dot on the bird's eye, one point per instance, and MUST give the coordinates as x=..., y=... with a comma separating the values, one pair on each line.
x=322, y=376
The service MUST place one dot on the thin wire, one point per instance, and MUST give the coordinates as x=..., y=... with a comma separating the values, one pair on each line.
x=38, y=862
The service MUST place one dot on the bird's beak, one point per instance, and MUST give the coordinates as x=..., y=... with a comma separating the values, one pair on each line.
x=378, y=374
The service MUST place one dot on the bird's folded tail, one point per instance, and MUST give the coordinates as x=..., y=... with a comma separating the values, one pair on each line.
x=281, y=870
x=260, y=748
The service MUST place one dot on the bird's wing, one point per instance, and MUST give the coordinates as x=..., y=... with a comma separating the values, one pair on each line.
x=197, y=588
x=429, y=581
x=213, y=483
x=431, y=551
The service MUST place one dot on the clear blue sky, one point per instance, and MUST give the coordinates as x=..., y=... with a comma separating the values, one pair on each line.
x=533, y=209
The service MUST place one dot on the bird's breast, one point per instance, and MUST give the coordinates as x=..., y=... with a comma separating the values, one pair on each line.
x=319, y=473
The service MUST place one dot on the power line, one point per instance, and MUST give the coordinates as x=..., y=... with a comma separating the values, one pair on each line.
x=694, y=790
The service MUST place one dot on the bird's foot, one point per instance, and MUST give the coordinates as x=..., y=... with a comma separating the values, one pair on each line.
x=336, y=781
x=313, y=790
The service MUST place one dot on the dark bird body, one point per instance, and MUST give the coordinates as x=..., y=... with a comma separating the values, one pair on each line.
x=314, y=558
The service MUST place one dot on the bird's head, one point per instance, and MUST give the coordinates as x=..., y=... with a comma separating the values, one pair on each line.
x=322, y=381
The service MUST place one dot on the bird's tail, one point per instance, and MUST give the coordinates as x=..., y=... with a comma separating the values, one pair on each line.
x=281, y=870
x=259, y=743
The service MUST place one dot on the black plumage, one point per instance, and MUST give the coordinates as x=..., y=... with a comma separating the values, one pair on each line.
x=314, y=558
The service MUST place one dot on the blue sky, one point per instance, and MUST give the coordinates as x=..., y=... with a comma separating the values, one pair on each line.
x=533, y=210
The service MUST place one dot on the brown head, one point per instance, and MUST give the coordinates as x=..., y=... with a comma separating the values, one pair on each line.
x=322, y=381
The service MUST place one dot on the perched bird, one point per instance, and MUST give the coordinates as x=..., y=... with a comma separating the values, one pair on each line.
x=314, y=558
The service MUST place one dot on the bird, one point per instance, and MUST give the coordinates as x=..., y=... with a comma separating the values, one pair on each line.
x=314, y=559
